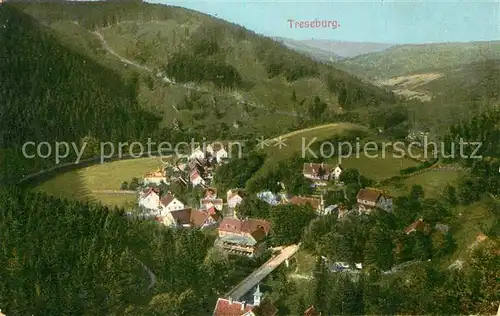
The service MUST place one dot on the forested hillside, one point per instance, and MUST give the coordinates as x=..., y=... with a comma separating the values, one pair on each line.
x=228, y=80
x=68, y=258
x=51, y=93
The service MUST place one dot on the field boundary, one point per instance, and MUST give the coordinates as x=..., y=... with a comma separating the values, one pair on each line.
x=71, y=166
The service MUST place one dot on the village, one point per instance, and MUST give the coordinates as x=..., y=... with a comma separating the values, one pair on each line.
x=238, y=235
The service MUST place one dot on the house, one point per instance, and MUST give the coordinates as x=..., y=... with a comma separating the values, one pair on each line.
x=196, y=164
x=208, y=203
x=368, y=199
x=243, y=237
x=210, y=193
x=321, y=171
x=233, y=198
x=417, y=225
x=197, y=154
x=260, y=307
x=169, y=203
x=196, y=179
x=156, y=177
x=150, y=198
x=190, y=218
x=217, y=151
x=317, y=204
x=336, y=172
x=311, y=311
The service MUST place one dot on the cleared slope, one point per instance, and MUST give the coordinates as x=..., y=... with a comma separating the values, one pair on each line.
x=236, y=77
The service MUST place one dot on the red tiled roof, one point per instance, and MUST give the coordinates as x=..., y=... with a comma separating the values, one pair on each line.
x=232, y=225
x=195, y=218
x=416, y=225
x=166, y=199
x=369, y=194
x=311, y=311
x=210, y=192
x=223, y=308
x=301, y=200
x=198, y=218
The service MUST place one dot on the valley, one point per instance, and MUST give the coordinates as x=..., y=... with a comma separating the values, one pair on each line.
x=317, y=213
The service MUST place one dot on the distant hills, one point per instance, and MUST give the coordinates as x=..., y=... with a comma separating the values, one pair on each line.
x=329, y=50
x=411, y=59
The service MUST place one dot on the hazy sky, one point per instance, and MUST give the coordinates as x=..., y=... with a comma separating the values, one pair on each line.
x=362, y=21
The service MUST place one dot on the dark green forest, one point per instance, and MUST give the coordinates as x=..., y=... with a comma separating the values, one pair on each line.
x=50, y=93
x=64, y=257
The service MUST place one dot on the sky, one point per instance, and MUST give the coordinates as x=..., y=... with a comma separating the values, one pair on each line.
x=361, y=21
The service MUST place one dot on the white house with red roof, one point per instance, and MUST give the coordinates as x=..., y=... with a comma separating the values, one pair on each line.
x=233, y=198
x=150, y=199
x=189, y=218
x=169, y=203
x=208, y=203
x=217, y=151
x=197, y=154
x=369, y=199
x=196, y=178
x=243, y=237
x=259, y=306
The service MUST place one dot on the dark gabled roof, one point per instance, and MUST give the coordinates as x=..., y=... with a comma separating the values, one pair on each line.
x=416, y=225
x=249, y=226
x=369, y=194
x=301, y=200
x=266, y=308
x=167, y=198
x=195, y=218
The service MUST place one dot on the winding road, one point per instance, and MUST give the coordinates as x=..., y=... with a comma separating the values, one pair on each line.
x=170, y=80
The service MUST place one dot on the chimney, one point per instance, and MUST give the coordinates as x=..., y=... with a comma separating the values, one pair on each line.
x=230, y=300
x=243, y=305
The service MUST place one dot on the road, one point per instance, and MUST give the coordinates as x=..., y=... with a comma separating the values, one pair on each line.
x=263, y=271
x=171, y=81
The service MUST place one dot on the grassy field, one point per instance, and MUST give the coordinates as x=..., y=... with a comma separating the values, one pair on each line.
x=378, y=168
x=433, y=182
x=80, y=184
x=294, y=140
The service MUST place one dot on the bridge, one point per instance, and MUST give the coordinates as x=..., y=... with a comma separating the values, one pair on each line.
x=260, y=273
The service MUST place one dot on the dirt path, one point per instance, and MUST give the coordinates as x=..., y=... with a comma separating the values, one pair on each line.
x=130, y=192
x=170, y=80
x=340, y=125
